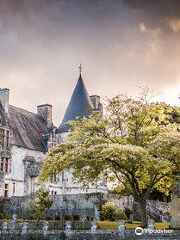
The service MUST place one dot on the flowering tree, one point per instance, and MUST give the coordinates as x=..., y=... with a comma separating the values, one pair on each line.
x=129, y=144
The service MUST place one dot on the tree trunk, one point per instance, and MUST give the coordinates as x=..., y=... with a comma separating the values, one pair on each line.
x=142, y=204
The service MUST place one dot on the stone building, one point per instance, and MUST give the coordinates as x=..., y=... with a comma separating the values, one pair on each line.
x=25, y=137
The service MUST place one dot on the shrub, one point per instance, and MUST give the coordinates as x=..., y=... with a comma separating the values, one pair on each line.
x=2, y=215
x=57, y=217
x=48, y=218
x=110, y=212
x=8, y=216
x=76, y=217
x=67, y=218
x=121, y=215
x=128, y=211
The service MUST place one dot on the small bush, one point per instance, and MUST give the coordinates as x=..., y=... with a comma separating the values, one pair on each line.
x=8, y=216
x=57, y=217
x=110, y=212
x=128, y=211
x=67, y=218
x=48, y=218
x=76, y=217
x=2, y=215
x=122, y=215
x=31, y=217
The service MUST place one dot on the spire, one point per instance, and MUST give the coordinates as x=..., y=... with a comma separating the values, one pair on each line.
x=80, y=105
x=80, y=68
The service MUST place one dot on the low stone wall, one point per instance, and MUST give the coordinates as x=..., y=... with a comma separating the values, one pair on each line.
x=84, y=205
x=87, y=235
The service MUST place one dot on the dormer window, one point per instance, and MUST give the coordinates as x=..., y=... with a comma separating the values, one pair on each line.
x=5, y=138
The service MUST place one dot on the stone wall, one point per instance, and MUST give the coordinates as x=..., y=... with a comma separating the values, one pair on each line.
x=87, y=235
x=120, y=202
x=85, y=205
x=63, y=205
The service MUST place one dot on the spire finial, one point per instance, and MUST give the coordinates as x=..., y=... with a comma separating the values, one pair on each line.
x=80, y=68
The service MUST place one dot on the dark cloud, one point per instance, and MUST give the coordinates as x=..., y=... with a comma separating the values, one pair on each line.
x=120, y=43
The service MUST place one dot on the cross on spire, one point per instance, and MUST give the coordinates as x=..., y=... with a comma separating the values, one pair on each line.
x=80, y=68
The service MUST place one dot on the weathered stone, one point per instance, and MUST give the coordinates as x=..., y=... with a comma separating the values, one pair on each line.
x=121, y=227
x=94, y=227
x=151, y=224
x=175, y=205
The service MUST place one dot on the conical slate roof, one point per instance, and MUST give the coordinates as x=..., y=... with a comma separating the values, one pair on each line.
x=80, y=105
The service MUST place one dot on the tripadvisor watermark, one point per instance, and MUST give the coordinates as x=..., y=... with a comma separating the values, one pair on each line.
x=140, y=231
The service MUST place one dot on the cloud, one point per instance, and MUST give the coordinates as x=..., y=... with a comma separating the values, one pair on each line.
x=142, y=27
x=42, y=43
x=175, y=25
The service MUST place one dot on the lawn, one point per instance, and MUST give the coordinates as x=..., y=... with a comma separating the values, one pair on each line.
x=107, y=225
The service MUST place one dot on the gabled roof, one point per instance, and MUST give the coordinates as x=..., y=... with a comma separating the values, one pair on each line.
x=80, y=105
x=27, y=128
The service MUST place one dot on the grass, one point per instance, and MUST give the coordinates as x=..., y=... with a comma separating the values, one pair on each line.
x=107, y=225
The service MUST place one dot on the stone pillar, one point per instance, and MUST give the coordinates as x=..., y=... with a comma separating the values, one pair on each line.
x=175, y=204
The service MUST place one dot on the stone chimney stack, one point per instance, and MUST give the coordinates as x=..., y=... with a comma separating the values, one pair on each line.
x=96, y=101
x=45, y=111
x=4, y=98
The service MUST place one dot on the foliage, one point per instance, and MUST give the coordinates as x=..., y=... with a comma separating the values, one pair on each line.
x=2, y=215
x=110, y=212
x=41, y=203
x=67, y=218
x=49, y=218
x=172, y=114
x=130, y=145
x=57, y=217
x=128, y=211
x=76, y=217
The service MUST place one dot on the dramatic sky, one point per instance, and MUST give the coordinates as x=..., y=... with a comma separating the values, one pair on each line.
x=121, y=44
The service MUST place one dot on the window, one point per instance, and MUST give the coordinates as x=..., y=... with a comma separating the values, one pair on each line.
x=54, y=176
x=5, y=164
x=6, y=190
x=32, y=185
x=53, y=193
x=5, y=138
x=14, y=188
x=2, y=165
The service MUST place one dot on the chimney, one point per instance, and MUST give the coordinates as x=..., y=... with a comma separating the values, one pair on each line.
x=96, y=101
x=45, y=111
x=4, y=98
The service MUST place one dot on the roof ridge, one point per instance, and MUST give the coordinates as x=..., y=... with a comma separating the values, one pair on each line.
x=22, y=109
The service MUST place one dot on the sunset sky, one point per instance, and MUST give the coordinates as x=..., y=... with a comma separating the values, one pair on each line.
x=121, y=45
